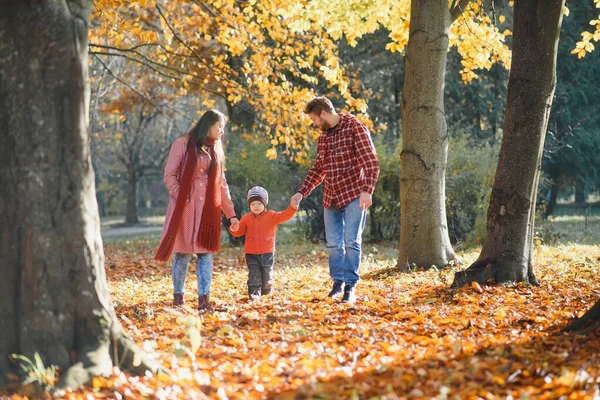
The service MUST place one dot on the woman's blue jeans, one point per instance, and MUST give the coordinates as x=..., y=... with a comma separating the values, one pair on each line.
x=204, y=270
x=343, y=230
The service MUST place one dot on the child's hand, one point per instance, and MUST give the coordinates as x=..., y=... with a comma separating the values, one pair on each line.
x=235, y=225
x=295, y=201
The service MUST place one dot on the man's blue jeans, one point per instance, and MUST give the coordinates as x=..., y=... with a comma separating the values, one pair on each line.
x=204, y=270
x=343, y=229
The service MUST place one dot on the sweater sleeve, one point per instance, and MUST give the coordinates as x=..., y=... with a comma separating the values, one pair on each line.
x=366, y=158
x=316, y=173
x=226, y=203
x=286, y=215
x=173, y=167
x=242, y=229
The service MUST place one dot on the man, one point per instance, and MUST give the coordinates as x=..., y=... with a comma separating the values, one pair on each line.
x=347, y=161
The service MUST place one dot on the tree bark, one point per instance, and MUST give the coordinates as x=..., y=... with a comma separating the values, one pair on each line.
x=551, y=204
x=131, y=216
x=579, y=192
x=589, y=322
x=424, y=236
x=54, y=298
x=506, y=255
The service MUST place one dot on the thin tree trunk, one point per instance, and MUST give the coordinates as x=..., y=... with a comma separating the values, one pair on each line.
x=54, y=298
x=506, y=255
x=424, y=236
x=579, y=192
x=551, y=204
x=131, y=216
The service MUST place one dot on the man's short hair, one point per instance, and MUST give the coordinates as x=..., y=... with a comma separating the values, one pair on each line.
x=318, y=104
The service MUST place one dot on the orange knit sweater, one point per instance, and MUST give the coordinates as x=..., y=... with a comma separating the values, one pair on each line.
x=260, y=229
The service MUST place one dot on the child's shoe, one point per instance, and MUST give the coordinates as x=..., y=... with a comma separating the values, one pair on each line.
x=254, y=295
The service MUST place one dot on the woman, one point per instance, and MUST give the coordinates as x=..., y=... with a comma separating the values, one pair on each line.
x=194, y=176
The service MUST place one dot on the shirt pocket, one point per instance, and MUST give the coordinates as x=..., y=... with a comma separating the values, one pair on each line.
x=344, y=152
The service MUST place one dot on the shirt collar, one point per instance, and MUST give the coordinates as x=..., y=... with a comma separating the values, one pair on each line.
x=340, y=124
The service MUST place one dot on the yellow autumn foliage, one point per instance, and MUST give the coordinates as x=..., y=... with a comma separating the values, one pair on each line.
x=585, y=45
x=236, y=50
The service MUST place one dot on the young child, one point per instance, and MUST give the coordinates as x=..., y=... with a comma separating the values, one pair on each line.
x=260, y=227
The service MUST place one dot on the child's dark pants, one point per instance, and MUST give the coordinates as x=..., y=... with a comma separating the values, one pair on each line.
x=260, y=273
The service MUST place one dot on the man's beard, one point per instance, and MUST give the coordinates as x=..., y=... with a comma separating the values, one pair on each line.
x=325, y=126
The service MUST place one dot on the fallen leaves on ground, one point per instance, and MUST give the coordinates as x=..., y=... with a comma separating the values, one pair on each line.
x=408, y=335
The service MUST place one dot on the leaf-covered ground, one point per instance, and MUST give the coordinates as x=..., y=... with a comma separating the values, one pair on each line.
x=408, y=336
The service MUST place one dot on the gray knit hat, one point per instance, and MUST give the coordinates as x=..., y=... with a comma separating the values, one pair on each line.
x=258, y=193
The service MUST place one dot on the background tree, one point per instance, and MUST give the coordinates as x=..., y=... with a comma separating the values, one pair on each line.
x=247, y=53
x=253, y=68
x=506, y=255
x=136, y=137
x=241, y=57
x=424, y=236
x=591, y=319
x=570, y=154
x=54, y=295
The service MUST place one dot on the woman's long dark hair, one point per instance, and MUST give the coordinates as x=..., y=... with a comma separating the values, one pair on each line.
x=199, y=133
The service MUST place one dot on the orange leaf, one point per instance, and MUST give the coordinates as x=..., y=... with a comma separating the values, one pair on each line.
x=476, y=287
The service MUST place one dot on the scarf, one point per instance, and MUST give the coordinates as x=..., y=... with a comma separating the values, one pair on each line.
x=212, y=207
x=209, y=236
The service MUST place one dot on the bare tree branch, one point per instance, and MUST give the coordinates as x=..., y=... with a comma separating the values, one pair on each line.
x=143, y=97
x=457, y=9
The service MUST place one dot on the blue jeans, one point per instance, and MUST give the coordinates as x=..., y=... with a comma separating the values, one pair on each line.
x=343, y=229
x=204, y=270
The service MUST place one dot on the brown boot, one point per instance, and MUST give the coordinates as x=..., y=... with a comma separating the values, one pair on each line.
x=178, y=300
x=204, y=303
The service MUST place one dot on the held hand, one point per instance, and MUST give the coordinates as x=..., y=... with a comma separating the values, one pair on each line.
x=295, y=201
x=235, y=225
x=365, y=201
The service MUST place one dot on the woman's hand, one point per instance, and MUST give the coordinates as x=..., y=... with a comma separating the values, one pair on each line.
x=235, y=224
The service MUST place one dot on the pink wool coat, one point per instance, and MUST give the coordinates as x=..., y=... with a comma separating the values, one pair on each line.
x=187, y=235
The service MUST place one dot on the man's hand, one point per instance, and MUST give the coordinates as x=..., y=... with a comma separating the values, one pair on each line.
x=235, y=224
x=365, y=200
x=295, y=201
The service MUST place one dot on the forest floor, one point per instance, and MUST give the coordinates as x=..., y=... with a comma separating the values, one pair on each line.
x=408, y=336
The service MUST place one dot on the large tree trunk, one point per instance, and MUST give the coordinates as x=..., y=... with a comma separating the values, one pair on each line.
x=54, y=299
x=131, y=216
x=424, y=236
x=506, y=255
x=589, y=322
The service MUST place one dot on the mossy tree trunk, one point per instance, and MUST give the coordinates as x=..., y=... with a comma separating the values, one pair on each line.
x=54, y=298
x=424, y=239
x=506, y=255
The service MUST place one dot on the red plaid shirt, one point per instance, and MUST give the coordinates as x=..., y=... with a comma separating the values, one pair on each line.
x=346, y=160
